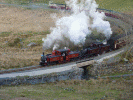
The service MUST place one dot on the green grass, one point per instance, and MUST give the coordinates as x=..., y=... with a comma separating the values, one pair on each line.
x=36, y=40
x=30, y=33
x=5, y=34
x=118, y=73
x=116, y=5
x=26, y=38
x=70, y=90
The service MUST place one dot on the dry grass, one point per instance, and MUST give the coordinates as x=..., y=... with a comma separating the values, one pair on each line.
x=20, y=27
x=21, y=20
x=17, y=58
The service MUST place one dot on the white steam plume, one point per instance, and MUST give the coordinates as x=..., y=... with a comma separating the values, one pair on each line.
x=75, y=27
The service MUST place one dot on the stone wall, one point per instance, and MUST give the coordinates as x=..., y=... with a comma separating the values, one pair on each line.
x=66, y=75
x=101, y=69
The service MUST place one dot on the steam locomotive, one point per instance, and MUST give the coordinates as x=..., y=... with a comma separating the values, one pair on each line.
x=66, y=55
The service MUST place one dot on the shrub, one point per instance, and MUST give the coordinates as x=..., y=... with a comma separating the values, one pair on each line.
x=16, y=42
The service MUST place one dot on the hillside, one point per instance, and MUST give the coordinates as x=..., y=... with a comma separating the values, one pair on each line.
x=21, y=26
x=124, y=6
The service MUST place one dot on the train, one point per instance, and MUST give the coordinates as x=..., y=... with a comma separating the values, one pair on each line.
x=96, y=48
x=121, y=40
x=58, y=6
x=108, y=13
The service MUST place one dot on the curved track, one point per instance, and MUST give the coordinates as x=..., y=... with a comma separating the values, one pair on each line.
x=37, y=70
x=59, y=68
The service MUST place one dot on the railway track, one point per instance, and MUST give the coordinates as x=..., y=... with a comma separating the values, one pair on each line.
x=38, y=66
x=48, y=66
x=35, y=67
x=54, y=68
x=20, y=69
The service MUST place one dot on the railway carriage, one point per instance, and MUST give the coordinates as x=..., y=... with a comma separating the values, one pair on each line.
x=101, y=47
x=93, y=51
x=59, y=6
x=120, y=40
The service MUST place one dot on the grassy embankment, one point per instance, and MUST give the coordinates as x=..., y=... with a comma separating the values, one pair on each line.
x=100, y=89
x=124, y=6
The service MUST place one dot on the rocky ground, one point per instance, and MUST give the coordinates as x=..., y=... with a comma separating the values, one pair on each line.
x=119, y=64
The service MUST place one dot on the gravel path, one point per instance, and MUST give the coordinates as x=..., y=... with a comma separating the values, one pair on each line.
x=109, y=55
x=40, y=71
x=31, y=5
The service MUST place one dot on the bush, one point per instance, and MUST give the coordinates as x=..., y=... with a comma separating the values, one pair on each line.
x=16, y=42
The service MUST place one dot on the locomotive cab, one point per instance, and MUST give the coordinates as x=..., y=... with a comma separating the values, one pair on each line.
x=64, y=53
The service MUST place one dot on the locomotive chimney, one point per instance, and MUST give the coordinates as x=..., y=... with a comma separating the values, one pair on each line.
x=65, y=6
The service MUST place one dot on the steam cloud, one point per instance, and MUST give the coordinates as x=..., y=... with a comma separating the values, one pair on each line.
x=75, y=27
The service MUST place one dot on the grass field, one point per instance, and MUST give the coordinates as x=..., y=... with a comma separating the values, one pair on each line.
x=125, y=6
x=108, y=89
